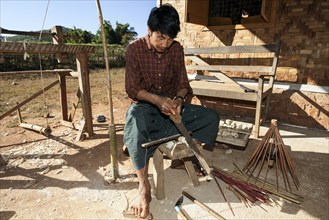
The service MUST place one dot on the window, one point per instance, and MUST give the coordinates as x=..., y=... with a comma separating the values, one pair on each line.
x=229, y=13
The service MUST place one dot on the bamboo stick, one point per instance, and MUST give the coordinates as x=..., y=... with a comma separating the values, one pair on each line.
x=46, y=131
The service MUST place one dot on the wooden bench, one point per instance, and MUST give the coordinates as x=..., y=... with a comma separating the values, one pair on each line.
x=257, y=61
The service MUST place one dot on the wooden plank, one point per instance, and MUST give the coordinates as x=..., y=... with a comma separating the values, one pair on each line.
x=28, y=99
x=196, y=59
x=268, y=48
x=230, y=68
x=69, y=124
x=191, y=172
x=59, y=71
x=29, y=33
x=158, y=175
x=81, y=130
x=75, y=105
x=223, y=90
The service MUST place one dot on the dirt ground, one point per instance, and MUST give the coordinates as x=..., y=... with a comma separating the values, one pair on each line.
x=57, y=177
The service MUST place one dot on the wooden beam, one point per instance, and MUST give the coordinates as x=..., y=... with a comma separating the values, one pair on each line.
x=84, y=86
x=63, y=96
x=33, y=48
x=28, y=99
x=28, y=33
x=233, y=49
x=58, y=71
x=264, y=69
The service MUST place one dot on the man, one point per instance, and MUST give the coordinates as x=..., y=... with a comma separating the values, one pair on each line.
x=156, y=82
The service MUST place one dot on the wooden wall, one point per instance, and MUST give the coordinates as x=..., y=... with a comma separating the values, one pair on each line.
x=302, y=26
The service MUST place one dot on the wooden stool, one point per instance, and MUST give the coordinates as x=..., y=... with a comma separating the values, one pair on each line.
x=173, y=150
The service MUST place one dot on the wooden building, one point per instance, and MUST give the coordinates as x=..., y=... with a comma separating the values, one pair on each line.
x=300, y=96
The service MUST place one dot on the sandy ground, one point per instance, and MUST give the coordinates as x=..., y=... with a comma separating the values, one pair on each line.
x=57, y=177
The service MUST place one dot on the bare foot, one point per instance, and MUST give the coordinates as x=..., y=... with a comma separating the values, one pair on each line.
x=142, y=206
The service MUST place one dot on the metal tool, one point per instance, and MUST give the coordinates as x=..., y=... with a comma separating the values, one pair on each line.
x=178, y=208
x=176, y=118
x=202, y=205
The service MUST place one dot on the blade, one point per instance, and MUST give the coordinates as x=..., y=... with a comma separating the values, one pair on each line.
x=179, y=201
x=180, y=126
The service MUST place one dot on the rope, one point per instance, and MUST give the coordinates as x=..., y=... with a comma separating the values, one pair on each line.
x=41, y=69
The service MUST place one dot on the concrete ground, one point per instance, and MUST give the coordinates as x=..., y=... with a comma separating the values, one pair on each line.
x=308, y=150
x=58, y=178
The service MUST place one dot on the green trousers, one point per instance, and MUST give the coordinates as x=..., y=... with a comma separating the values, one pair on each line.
x=145, y=123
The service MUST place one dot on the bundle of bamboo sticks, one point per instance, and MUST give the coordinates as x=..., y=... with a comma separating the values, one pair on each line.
x=272, y=152
x=250, y=192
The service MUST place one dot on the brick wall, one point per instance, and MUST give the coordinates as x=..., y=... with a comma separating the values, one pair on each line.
x=302, y=26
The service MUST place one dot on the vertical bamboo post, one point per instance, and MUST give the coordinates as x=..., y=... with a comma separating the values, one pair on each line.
x=112, y=134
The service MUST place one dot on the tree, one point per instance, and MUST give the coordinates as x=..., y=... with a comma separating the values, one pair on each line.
x=79, y=36
x=109, y=33
x=125, y=34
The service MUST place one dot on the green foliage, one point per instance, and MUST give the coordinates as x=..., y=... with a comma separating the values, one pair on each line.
x=122, y=35
x=115, y=52
x=125, y=34
x=117, y=40
x=79, y=36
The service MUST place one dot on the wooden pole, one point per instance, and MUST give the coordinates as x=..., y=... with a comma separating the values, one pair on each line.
x=113, y=147
x=84, y=86
x=63, y=96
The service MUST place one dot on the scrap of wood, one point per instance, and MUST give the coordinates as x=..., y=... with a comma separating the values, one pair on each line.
x=69, y=124
x=81, y=129
x=75, y=105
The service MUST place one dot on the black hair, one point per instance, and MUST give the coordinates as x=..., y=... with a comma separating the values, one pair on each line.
x=164, y=19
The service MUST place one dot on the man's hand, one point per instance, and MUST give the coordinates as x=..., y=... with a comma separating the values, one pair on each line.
x=166, y=105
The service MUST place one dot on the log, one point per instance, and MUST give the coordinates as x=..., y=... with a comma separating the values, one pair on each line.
x=46, y=131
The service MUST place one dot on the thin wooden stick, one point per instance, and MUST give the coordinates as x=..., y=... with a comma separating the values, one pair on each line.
x=229, y=204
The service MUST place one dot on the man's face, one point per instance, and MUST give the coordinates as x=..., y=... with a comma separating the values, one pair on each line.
x=160, y=42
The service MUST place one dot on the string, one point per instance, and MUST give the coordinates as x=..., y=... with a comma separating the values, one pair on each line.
x=40, y=65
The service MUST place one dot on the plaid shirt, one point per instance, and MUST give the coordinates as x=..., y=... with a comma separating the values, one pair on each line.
x=164, y=75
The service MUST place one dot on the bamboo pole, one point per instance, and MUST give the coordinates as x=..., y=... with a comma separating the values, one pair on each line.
x=46, y=131
x=112, y=132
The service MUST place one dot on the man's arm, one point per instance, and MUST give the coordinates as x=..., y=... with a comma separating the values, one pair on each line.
x=166, y=105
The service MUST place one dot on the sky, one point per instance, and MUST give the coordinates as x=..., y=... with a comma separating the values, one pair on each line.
x=32, y=15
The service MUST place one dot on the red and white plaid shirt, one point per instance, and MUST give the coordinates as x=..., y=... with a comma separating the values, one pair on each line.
x=164, y=75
